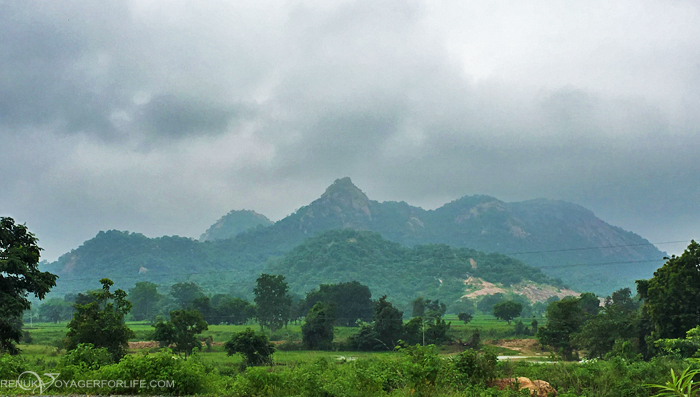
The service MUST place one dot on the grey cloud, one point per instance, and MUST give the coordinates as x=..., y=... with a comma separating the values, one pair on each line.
x=175, y=116
x=261, y=106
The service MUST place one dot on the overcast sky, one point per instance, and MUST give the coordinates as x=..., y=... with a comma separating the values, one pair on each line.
x=161, y=116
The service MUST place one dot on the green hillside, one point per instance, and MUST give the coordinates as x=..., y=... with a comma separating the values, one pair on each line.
x=402, y=273
x=565, y=240
x=234, y=223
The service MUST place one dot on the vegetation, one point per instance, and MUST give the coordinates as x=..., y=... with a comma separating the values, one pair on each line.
x=507, y=310
x=19, y=276
x=272, y=300
x=256, y=348
x=181, y=331
x=317, y=331
x=101, y=322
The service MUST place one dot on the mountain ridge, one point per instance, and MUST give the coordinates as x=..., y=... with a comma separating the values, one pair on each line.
x=553, y=235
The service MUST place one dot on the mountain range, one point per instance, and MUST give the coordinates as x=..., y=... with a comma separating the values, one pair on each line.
x=567, y=242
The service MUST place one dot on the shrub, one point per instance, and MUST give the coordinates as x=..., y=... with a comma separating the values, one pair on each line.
x=86, y=356
x=256, y=348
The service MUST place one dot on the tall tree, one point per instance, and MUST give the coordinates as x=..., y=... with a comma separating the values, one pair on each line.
x=564, y=318
x=181, y=331
x=145, y=301
x=507, y=310
x=352, y=301
x=19, y=277
x=617, y=321
x=317, y=331
x=272, y=300
x=388, y=323
x=671, y=297
x=185, y=293
x=101, y=322
x=55, y=310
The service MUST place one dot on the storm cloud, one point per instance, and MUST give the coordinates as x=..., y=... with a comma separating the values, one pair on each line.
x=161, y=116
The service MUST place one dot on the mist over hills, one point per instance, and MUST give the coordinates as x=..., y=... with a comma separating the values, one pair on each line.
x=564, y=240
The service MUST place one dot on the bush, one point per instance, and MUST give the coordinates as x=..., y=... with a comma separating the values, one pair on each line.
x=474, y=368
x=256, y=348
x=86, y=356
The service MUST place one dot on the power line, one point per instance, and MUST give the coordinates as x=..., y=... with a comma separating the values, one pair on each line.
x=592, y=248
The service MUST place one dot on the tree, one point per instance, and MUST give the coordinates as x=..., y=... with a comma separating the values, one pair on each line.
x=317, y=331
x=272, y=300
x=385, y=330
x=352, y=301
x=418, y=307
x=434, y=309
x=55, y=310
x=564, y=318
x=507, y=310
x=388, y=323
x=19, y=276
x=232, y=310
x=617, y=321
x=671, y=297
x=181, y=331
x=185, y=293
x=101, y=322
x=466, y=317
x=590, y=304
x=256, y=348
x=145, y=301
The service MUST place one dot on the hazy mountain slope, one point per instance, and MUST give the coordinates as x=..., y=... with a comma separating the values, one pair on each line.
x=402, y=273
x=233, y=223
x=553, y=235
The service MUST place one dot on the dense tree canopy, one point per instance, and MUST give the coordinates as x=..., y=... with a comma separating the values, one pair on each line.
x=317, y=330
x=351, y=301
x=145, y=300
x=19, y=277
x=272, y=300
x=101, y=322
x=507, y=310
x=181, y=331
x=671, y=297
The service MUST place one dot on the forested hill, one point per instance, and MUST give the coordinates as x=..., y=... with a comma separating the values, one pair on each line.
x=402, y=273
x=234, y=223
x=564, y=239
x=553, y=235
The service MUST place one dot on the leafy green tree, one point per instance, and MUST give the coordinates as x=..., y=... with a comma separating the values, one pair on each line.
x=434, y=310
x=232, y=310
x=507, y=310
x=590, y=304
x=101, y=322
x=19, y=276
x=466, y=317
x=352, y=301
x=617, y=321
x=185, y=293
x=388, y=323
x=182, y=331
x=256, y=348
x=671, y=297
x=418, y=307
x=317, y=331
x=385, y=330
x=272, y=300
x=145, y=300
x=55, y=310
x=203, y=305
x=564, y=318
